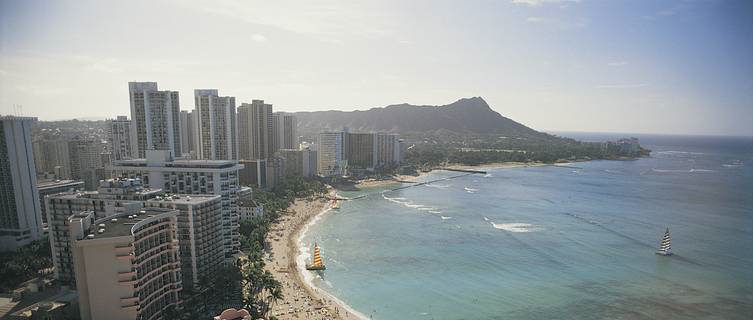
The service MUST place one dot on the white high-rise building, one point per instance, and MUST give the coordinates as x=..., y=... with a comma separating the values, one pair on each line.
x=217, y=133
x=217, y=177
x=155, y=119
x=330, y=158
x=119, y=136
x=388, y=149
x=20, y=213
x=255, y=130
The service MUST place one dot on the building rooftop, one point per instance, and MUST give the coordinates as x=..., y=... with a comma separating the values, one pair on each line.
x=185, y=199
x=57, y=183
x=121, y=225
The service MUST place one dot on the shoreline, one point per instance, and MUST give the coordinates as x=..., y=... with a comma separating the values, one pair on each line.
x=301, y=299
x=286, y=257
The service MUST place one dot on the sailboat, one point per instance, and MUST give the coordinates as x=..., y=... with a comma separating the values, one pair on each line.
x=665, y=248
x=317, y=263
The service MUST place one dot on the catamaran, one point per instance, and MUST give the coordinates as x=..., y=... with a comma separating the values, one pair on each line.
x=665, y=248
x=317, y=263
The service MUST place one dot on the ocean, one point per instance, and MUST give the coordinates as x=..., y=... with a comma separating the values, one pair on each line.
x=575, y=241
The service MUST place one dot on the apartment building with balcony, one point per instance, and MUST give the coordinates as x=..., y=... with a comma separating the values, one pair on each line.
x=127, y=266
x=114, y=196
x=180, y=176
x=199, y=224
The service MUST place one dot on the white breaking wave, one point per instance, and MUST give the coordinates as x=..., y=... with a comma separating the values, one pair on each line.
x=486, y=219
x=488, y=175
x=470, y=190
x=445, y=218
x=435, y=211
x=515, y=227
x=436, y=185
x=409, y=204
x=679, y=152
x=681, y=171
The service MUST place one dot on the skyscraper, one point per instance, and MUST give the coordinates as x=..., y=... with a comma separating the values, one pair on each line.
x=361, y=150
x=388, y=150
x=52, y=156
x=284, y=131
x=119, y=137
x=330, y=158
x=155, y=119
x=217, y=133
x=20, y=213
x=185, y=138
x=255, y=130
x=86, y=161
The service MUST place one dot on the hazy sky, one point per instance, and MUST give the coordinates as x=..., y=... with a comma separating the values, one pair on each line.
x=589, y=65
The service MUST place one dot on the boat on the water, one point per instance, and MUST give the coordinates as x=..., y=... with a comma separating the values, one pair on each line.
x=665, y=247
x=316, y=264
x=335, y=204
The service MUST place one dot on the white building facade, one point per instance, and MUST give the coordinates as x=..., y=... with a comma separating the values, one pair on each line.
x=155, y=119
x=217, y=177
x=217, y=135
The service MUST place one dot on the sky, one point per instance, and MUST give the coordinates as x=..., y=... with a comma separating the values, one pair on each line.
x=674, y=67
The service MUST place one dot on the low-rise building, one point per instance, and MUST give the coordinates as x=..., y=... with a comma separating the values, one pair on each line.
x=50, y=187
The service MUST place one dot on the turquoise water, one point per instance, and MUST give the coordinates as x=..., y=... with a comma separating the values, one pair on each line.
x=553, y=242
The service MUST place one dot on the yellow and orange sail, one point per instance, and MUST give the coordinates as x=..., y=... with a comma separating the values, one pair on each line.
x=317, y=257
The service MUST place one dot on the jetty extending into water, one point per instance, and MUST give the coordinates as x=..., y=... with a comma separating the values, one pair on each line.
x=413, y=184
x=464, y=170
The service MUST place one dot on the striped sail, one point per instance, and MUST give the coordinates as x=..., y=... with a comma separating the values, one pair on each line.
x=317, y=257
x=665, y=247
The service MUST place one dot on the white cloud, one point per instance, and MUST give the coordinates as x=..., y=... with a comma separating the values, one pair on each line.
x=617, y=63
x=534, y=3
x=258, y=38
x=324, y=19
x=622, y=86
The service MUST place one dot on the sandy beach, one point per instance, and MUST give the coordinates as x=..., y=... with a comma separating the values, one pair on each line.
x=300, y=300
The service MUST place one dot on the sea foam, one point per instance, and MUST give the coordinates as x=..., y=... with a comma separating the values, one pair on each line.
x=515, y=227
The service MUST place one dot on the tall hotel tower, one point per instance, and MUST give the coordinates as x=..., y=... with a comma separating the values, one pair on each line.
x=255, y=130
x=155, y=119
x=20, y=212
x=216, y=134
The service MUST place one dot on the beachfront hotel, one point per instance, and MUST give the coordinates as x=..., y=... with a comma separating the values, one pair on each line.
x=114, y=196
x=20, y=213
x=330, y=158
x=199, y=223
x=127, y=266
x=179, y=176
